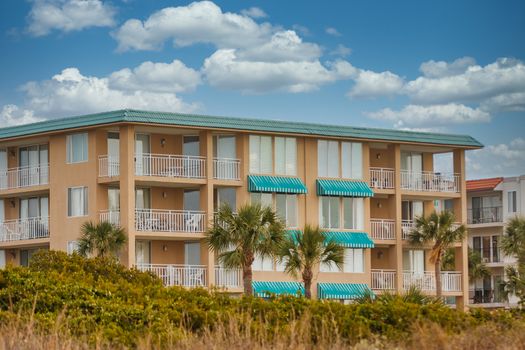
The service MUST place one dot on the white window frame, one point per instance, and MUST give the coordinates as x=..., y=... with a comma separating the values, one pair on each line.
x=256, y=154
x=85, y=202
x=272, y=203
x=324, y=168
x=260, y=264
x=287, y=198
x=512, y=201
x=72, y=246
x=354, y=260
x=351, y=160
x=358, y=213
x=70, y=150
x=285, y=155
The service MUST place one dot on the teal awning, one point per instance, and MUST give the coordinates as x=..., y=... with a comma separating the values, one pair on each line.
x=343, y=188
x=265, y=289
x=277, y=184
x=342, y=290
x=350, y=239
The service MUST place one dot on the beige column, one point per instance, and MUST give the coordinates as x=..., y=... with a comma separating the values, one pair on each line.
x=367, y=210
x=398, y=217
x=460, y=211
x=243, y=153
x=206, y=199
x=127, y=190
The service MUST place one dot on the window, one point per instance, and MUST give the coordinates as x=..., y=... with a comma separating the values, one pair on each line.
x=414, y=261
x=285, y=156
x=77, y=201
x=329, y=212
x=512, y=201
x=328, y=158
x=264, y=199
x=286, y=208
x=354, y=260
x=224, y=146
x=261, y=154
x=260, y=264
x=72, y=246
x=336, y=212
x=353, y=213
x=77, y=148
x=352, y=160
x=487, y=247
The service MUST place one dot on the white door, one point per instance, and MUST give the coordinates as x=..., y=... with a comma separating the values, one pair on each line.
x=113, y=153
x=142, y=252
x=417, y=209
x=142, y=154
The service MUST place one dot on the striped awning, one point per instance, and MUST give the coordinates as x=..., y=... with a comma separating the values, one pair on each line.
x=345, y=291
x=275, y=184
x=265, y=289
x=350, y=239
x=343, y=188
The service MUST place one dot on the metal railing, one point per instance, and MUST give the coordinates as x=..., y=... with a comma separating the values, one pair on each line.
x=20, y=229
x=226, y=169
x=177, y=275
x=108, y=166
x=228, y=278
x=429, y=181
x=406, y=227
x=382, y=178
x=485, y=215
x=111, y=216
x=383, y=229
x=384, y=279
x=158, y=220
x=167, y=165
x=485, y=296
x=24, y=177
x=426, y=281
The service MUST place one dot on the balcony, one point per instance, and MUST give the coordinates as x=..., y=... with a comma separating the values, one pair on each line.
x=167, y=165
x=226, y=169
x=24, y=177
x=383, y=229
x=190, y=276
x=485, y=296
x=21, y=229
x=426, y=281
x=382, y=178
x=406, y=227
x=108, y=166
x=428, y=181
x=156, y=220
x=228, y=278
x=485, y=215
x=383, y=279
x=111, y=216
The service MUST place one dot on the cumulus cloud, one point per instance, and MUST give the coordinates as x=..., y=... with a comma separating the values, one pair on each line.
x=332, y=31
x=497, y=159
x=13, y=115
x=414, y=115
x=372, y=84
x=341, y=50
x=254, y=12
x=68, y=15
x=439, y=69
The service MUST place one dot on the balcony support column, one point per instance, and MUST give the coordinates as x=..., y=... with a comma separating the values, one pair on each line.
x=206, y=199
x=127, y=191
x=398, y=218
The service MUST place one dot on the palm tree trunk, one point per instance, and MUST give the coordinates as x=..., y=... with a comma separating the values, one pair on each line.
x=437, y=271
x=247, y=277
x=307, y=280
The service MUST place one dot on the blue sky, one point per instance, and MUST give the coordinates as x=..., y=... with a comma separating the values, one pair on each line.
x=448, y=66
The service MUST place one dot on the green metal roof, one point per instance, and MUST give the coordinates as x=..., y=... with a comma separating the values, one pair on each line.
x=266, y=289
x=277, y=184
x=343, y=188
x=344, y=291
x=350, y=239
x=181, y=119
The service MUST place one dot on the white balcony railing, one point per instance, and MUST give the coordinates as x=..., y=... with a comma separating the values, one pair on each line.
x=177, y=275
x=108, y=166
x=111, y=216
x=383, y=229
x=382, y=178
x=226, y=169
x=384, y=279
x=24, y=177
x=228, y=278
x=429, y=181
x=20, y=229
x=426, y=281
x=170, y=220
x=406, y=227
x=167, y=165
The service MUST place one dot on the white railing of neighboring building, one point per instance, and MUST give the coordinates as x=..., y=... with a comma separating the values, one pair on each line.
x=108, y=166
x=228, y=278
x=429, y=181
x=170, y=220
x=20, y=229
x=383, y=229
x=167, y=165
x=111, y=216
x=426, y=281
x=178, y=275
x=226, y=169
x=384, y=279
x=382, y=178
x=24, y=177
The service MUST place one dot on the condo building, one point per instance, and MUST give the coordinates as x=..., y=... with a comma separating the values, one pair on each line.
x=161, y=176
x=490, y=204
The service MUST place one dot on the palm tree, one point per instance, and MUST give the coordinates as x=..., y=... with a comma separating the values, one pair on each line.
x=103, y=238
x=442, y=232
x=301, y=252
x=513, y=244
x=477, y=269
x=237, y=237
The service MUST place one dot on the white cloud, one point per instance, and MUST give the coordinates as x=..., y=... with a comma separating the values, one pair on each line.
x=414, y=115
x=513, y=102
x=341, y=50
x=439, y=69
x=156, y=77
x=332, y=31
x=254, y=12
x=68, y=15
x=370, y=84
x=497, y=160
x=12, y=115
